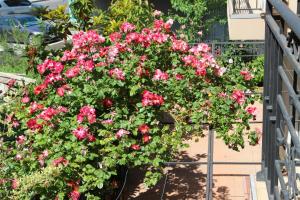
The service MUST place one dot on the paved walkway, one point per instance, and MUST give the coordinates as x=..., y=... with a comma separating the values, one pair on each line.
x=189, y=182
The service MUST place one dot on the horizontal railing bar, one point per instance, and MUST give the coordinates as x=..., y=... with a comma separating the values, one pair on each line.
x=282, y=41
x=290, y=18
x=291, y=128
x=215, y=163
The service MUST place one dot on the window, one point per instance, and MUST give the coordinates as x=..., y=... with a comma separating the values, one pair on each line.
x=12, y=3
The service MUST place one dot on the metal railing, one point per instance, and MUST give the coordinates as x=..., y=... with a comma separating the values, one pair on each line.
x=281, y=144
x=247, y=6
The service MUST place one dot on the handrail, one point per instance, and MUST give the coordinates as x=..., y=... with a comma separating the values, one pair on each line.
x=290, y=18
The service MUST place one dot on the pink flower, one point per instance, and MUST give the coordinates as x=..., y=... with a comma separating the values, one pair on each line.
x=88, y=65
x=222, y=94
x=180, y=45
x=238, y=96
x=157, y=13
x=25, y=99
x=60, y=160
x=42, y=157
x=151, y=99
x=117, y=73
x=51, y=66
x=15, y=184
x=48, y=114
x=135, y=147
x=72, y=72
x=62, y=109
x=107, y=121
x=159, y=37
x=168, y=24
x=69, y=55
x=201, y=71
x=61, y=90
x=159, y=75
x=15, y=123
x=115, y=37
x=219, y=71
x=74, y=195
x=158, y=24
x=127, y=27
x=34, y=106
x=144, y=128
x=247, y=75
x=11, y=83
x=120, y=133
x=85, y=40
x=200, y=33
x=252, y=110
x=19, y=157
x=81, y=132
x=20, y=139
x=89, y=113
x=200, y=48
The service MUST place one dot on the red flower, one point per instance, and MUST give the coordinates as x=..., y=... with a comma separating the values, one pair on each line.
x=81, y=132
x=107, y=102
x=40, y=88
x=60, y=160
x=33, y=125
x=151, y=99
x=247, y=75
x=143, y=129
x=146, y=138
x=91, y=138
x=179, y=77
x=135, y=147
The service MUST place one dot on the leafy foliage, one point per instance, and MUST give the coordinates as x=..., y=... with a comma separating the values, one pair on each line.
x=138, y=12
x=100, y=105
x=197, y=15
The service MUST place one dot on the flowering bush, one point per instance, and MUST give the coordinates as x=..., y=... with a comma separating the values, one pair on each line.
x=99, y=105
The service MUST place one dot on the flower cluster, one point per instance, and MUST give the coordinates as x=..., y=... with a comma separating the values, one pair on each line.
x=151, y=99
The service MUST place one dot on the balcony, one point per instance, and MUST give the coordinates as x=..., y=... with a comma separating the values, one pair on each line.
x=245, y=20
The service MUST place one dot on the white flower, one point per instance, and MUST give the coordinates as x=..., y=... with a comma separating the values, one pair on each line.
x=230, y=61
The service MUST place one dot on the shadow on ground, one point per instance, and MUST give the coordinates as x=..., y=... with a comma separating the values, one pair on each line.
x=184, y=182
